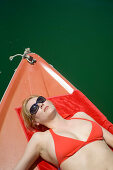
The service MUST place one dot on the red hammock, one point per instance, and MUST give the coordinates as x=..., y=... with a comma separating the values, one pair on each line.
x=37, y=78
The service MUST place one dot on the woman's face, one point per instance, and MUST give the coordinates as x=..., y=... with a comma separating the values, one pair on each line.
x=45, y=112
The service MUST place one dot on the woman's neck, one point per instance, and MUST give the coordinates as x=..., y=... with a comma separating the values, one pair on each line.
x=56, y=123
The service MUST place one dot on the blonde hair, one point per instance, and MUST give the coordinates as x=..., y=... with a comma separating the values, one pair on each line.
x=27, y=117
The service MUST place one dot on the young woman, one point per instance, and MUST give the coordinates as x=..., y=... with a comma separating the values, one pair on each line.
x=75, y=144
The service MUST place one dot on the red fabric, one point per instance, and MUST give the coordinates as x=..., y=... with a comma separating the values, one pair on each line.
x=66, y=146
x=67, y=106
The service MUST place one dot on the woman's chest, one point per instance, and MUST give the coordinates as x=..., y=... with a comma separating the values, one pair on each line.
x=76, y=129
x=57, y=140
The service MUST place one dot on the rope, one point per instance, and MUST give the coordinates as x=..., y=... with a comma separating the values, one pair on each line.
x=11, y=57
x=27, y=51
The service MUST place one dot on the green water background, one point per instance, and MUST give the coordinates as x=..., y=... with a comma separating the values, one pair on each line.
x=75, y=36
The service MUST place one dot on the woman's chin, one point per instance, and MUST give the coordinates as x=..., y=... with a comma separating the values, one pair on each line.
x=52, y=112
x=53, y=109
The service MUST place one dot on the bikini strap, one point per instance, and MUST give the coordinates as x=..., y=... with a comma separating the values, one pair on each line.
x=52, y=132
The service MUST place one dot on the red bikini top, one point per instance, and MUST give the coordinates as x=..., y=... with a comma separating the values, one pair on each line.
x=66, y=146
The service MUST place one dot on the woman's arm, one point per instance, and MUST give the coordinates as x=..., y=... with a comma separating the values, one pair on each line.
x=108, y=137
x=31, y=153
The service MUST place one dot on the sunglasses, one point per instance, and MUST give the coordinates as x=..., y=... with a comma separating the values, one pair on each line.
x=34, y=108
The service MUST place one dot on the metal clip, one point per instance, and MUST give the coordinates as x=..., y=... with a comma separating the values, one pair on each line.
x=30, y=59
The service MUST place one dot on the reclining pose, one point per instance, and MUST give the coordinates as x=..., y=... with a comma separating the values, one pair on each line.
x=79, y=143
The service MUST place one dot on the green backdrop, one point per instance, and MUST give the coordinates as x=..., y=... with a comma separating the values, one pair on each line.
x=75, y=36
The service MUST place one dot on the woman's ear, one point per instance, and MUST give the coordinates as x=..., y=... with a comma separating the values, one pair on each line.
x=35, y=124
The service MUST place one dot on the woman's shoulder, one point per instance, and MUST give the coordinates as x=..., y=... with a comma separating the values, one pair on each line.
x=42, y=139
x=41, y=136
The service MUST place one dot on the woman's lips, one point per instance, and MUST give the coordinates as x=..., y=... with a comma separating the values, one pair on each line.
x=46, y=108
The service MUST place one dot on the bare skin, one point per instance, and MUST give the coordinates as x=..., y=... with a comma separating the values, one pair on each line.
x=95, y=155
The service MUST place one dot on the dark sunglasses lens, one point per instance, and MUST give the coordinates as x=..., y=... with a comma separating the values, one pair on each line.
x=34, y=109
x=41, y=99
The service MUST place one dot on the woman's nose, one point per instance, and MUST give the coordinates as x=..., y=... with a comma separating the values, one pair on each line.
x=40, y=105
